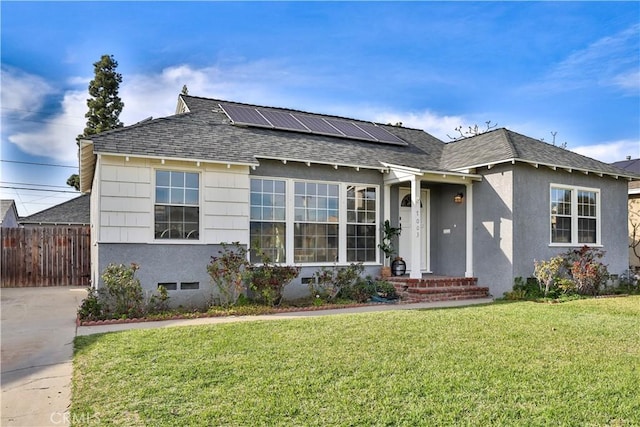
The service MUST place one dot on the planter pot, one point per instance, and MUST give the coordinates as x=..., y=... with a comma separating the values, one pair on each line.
x=385, y=272
x=398, y=267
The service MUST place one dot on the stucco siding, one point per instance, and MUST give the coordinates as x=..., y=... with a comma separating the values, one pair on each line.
x=493, y=228
x=532, y=189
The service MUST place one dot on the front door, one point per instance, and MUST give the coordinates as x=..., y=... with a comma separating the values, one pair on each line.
x=404, y=241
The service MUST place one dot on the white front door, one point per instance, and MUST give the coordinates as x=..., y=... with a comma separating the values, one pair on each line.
x=404, y=220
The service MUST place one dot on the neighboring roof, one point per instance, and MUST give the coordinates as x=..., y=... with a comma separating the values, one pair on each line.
x=201, y=131
x=631, y=165
x=502, y=145
x=5, y=206
x=72, y=212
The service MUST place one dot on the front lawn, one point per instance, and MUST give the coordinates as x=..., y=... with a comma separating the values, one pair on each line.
x=576, y=363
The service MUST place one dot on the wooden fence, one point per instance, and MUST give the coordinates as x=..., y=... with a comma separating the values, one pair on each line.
x=46, y=256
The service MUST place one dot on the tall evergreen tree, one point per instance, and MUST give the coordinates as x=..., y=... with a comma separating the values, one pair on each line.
x=104, y=104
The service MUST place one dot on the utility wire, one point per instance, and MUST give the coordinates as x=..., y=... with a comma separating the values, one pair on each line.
x=38, y=185
x=39, y=164
x=37, y=189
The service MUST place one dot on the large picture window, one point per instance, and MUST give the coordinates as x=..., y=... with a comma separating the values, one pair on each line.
x=305, y=222
x=361, y=224
x=268, y=219
x=177, y=205
x=575, y=215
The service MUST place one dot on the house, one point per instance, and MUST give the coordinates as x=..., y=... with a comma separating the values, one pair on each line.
x=313, y=190
x=8, y=214
x=72, y=213
x=633, y=166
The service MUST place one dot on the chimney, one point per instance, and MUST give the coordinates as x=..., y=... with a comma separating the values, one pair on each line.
x=628, y=157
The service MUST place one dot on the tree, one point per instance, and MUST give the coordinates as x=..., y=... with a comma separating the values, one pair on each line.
x=473, y=131
x=104, y=104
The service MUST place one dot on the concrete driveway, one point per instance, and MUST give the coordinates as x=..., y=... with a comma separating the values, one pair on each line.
x=38, y=328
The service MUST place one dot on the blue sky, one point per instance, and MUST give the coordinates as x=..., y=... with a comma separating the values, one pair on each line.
x=533, y=67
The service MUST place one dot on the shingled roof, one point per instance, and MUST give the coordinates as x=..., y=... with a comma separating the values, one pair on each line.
x=72, y=212
x=502, y=145
x=201, y=131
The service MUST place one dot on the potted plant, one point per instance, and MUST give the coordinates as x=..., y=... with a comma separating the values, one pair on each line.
x=386, y=245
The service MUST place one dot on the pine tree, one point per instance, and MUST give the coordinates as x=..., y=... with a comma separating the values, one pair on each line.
x=104, y=105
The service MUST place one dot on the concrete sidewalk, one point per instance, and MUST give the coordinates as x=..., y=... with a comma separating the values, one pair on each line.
x=38, y=328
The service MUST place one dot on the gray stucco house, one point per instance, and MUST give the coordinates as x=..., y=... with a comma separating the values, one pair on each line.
x=314, y=191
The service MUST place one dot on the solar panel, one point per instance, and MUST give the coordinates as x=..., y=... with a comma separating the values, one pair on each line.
x=282, y=120
x=349, y=129
x=318, y=125
x=245, y=115
x=296, y=121
x=380, y=133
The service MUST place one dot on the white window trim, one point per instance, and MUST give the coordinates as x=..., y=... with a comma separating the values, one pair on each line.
x=574, y=216
x=342, y=219
x=200, y=238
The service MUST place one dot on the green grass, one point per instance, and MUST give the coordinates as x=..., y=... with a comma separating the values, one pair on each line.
x=576, y=363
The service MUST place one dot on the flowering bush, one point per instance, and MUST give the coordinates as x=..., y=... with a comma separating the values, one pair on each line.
x=228, y=272
x=576, y=271
x=268, y=281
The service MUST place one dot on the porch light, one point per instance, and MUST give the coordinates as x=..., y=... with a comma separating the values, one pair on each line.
x=458, y=198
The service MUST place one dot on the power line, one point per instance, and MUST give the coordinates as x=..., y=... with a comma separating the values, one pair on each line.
x=39, y=164
x=39, y=185
x=37, y=189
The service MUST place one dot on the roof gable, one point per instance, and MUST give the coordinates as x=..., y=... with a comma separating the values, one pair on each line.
x=502, y=145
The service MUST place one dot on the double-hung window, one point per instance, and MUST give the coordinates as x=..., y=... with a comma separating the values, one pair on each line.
x=361, y=223
x=268, y=219
x=316, y=218
x=575, y=215
x=177, y=205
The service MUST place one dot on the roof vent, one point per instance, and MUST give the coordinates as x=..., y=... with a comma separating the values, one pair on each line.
x=628, y=157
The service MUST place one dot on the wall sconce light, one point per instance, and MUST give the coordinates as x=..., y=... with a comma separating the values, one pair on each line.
x=458, y=198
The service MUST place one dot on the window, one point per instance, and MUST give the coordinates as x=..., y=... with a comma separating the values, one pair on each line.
x=316, y=217
x=575, y=215
x=361, y=224
x=177, y=207
x=268, y=215
x=304, y=222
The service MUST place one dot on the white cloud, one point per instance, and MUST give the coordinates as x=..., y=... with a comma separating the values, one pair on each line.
x=437, y=125
x=22, y=94
x=611, y=151
x=55, y=137
x=609, y=61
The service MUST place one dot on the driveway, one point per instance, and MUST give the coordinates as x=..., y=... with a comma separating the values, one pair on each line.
x=38, y=327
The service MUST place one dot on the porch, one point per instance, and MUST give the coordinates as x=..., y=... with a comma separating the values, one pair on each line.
x=430, y=288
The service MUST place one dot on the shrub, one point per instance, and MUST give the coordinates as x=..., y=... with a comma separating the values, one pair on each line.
x=122, y=294
x=268, y=281
x=90, y=307
x=228, y=272
x=337, y=280
x=587, y=271
x=576, y=271
x=158, y=303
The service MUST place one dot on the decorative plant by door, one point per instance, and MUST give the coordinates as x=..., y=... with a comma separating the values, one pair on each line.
x=388, y=233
